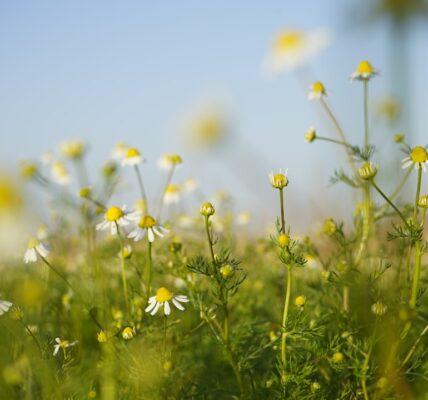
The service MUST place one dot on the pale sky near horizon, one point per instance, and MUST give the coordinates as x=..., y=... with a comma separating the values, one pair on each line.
x=107, y=71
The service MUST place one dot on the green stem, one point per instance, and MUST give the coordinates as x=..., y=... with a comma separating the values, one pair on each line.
x=281, y=199
x=339, y=142
x=58, y=273
x=164, y=338
x=364, y=374
x=142, y=190
x=149, y=270
x=341, y=134
x=210, y=243
x=418, y=193
x=122, y=259
x=284, y=323
x=366, y=114
x=390, y=203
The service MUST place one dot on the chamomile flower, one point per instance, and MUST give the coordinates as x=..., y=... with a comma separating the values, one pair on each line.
x=169, y=161
x=364, y=72
x=418, y=157
x=60, y=173
x=317, y=91
x=62, y=344
x=190, y=185
x=149, y=224
x=279, y=180
x=172, y=194
x=132, y=157
x=73, y=149
x=292, y=48
x=243, y=218
x=114, y=217
x=35, y=248
x=119, y=151
x=310, y=135
x=5, y=306
x=162, y=298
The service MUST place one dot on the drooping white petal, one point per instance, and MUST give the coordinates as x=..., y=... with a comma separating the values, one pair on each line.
x=177, y=304
x=156, y=309
x=151, y=306
x=101, y=226
x=166, y=308
x=155, y=230
x=150, y=234
x=181, y=298
x=30, y=256
x=42, y=250
x=56, y=349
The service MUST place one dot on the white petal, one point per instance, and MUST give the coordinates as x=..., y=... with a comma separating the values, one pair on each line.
x=101, y=226
x=157, y=232
x=156, y=308
x=182, y=298
x=151, y=306
x=42, y=250
x=56, y=349
x=150, y=235
x=30, y=256
x=177, y=304
x=166, y=308
x=113, y=228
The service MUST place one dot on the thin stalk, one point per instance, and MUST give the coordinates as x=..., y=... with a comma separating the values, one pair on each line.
x=390, y=203
x=413, y=348
x=284, y=322
x=33, y=336
x=366, y=113
x=339, y=142
x=122, y=264
x=142, y=190
x=364, y=375
x=149, y=276
x=281, y=200
x=418, y=252
x=210, y=243
x=58, y=273
x=341, y=134
x=164, y=338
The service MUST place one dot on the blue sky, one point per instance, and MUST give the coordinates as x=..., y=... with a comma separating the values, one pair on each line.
x=109, y=71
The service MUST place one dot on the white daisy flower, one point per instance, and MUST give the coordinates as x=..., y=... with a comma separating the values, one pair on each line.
x=73, y=149
x=317, y=91
x=364, y=71
x=149, y=224
x=62, y=344
x=5, y=306
x=172, y=194
x=418, y=157
x=119, y=151
x=169, y=161
x=35, y=248
x=132, y=157
x=293, y=48
x=60, y=173
x=243, y=218
x=190, y=185
x=114, y=217
x=162, y=299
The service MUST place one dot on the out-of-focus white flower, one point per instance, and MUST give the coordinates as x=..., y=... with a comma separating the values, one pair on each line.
x=5, y=306
x=60, y=173
x=190, y=185
x=73, y=149
x=35, y=248
x=172, y=194
x=132, y=157
x=119, y=151
x=169, y=161
x=292, y=48
x=243, y=218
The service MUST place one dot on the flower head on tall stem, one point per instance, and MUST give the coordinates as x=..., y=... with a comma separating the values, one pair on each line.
x=114, y=217
x=417, y=157
x=162, y=298
x=310, y=135
x=63, y=344
x=35, y=248
x=364, y=72
x=279, y=180
x=149, y=224
x=172, y=194
x=132, y=157
x=317, y=91
x=73, y=149
x=169, y=161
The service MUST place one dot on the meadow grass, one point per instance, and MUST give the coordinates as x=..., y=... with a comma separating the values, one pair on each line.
x=117, y=303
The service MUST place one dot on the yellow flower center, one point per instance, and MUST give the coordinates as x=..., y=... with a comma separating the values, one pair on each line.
x=63, y=343
x=32, y=243
x=163, y=295
x=318, y=87
x=419, y=155
x=172, y=188
x=279, y=181
x=364, y=67
x=132, y=152
x=147, y=222
x=113, y=214
x=174, y=159
x=288, y=40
